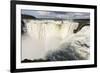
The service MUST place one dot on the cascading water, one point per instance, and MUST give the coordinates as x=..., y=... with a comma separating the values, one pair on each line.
x=45, y=36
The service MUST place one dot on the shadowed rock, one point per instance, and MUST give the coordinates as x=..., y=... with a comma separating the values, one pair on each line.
x=82, y=23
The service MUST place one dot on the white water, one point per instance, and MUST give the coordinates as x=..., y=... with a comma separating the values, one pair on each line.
x=45, y=35
x=79, y=43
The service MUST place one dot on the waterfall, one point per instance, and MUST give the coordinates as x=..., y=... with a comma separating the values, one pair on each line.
x=73, y=47
x=45, y=35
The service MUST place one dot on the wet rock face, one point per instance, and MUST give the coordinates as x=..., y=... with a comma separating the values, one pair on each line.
x=23, y=28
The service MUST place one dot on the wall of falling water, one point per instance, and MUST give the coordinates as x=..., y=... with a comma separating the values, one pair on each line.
x=45, y=35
